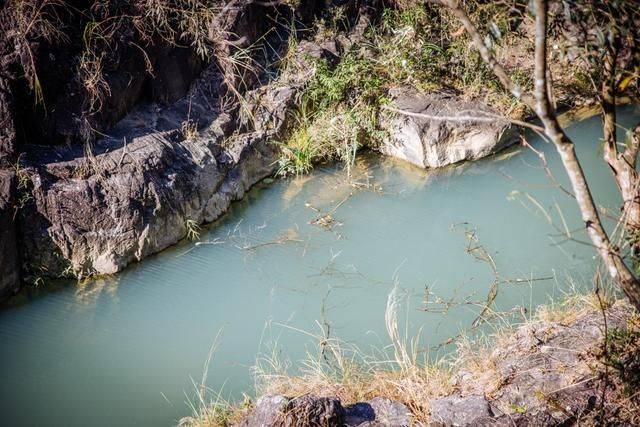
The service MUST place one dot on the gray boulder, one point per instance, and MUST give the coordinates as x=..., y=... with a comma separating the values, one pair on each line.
x=378, y=411
x=312, y=411
x=460, y=411
x=160, y=170
x=431, y=142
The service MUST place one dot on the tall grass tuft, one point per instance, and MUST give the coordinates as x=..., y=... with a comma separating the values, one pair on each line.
x=333, y=367
x=208, y=407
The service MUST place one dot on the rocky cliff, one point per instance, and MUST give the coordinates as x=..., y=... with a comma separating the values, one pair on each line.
x=118, y=138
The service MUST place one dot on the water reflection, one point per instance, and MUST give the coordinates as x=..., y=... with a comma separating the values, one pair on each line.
x=89, y=292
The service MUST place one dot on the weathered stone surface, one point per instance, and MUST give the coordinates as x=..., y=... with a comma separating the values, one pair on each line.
x=378, y=411
x=160, y=168
x=460, y=411
x=136, y=194
x=302, y=411
x=433, y=142
x=268, y=411
x=9, y=267
x=540, y=375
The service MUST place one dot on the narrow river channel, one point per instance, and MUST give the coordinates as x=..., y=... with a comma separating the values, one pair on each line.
x=295, y=255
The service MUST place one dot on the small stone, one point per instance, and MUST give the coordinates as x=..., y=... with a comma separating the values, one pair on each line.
x=377, y=412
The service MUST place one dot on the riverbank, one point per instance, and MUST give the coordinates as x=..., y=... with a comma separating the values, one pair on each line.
x=572, y=362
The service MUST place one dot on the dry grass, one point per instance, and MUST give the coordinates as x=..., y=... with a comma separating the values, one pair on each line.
x=183, y=23
x=401, y=371
x=35, y=21
x=189, y=130
x=208, y=407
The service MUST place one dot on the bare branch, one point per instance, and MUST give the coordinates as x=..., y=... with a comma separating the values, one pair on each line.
x=480, y=116
x=608, y=102
x=485, y=52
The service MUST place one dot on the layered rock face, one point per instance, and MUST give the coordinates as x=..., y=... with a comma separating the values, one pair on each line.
x=136, y=195
x=9, y=267
x=177, y=159
x=439, y=129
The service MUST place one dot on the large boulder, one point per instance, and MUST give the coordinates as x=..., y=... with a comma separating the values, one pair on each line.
x=9, y=266
x=421, y=130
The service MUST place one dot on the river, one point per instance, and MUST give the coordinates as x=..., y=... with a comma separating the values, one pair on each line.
x=125, y=350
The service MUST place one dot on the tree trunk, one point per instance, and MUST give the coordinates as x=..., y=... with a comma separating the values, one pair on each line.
x=618, y=270
x=610, y=255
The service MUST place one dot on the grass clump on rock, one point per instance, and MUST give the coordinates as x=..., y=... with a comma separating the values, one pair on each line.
x=336, y=117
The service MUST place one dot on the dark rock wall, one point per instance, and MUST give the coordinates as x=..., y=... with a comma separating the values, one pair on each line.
x=9, y=266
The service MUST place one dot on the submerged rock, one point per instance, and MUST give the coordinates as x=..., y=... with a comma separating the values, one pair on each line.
x=423, y=137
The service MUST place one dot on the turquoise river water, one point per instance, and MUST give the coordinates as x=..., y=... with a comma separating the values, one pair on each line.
x=126, y=350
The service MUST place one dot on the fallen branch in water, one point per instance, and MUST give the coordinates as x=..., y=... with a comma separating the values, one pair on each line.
x=326, y=220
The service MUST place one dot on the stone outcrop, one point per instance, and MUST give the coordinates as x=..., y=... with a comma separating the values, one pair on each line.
x=425, y=135
x=144, y=184
x=540, y=375
x=176, y=160
x=98, y=215
x=278, y=410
